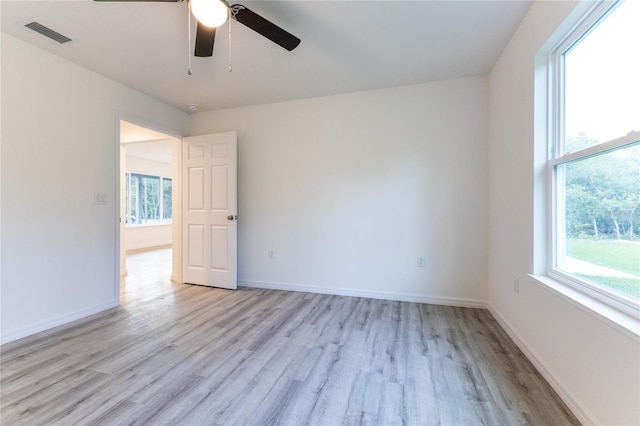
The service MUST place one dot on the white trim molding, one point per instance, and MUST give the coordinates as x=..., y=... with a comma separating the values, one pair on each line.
x=400, y=297
x=55, y=322
x=578, y=409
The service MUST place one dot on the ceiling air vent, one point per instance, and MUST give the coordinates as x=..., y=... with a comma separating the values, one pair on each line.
x=45, y=31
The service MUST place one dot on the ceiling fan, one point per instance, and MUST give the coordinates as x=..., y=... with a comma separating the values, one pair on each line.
x=210, y=14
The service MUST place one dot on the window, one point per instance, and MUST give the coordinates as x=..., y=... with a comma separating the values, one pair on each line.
x=594, y=156
x=148, y=199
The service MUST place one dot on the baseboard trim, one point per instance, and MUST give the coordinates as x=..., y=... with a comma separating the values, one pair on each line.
x=55, y=322
x=578, y=409
x=401, y=297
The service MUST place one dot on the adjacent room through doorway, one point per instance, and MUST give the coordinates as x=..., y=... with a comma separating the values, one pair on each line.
x=147, y=193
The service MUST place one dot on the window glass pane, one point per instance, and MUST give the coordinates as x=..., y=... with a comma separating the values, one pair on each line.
x=147, y=199
x=166, y=199
x=133, y=198
x=598, y=223
x=127, y=198
x=602, y=83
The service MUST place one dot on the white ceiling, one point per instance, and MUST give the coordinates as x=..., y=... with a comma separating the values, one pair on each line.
x=347, y=46
x=130, y=132
x=146, y=143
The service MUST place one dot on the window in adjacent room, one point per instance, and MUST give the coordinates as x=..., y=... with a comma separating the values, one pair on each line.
x=148, y=199
x=594, y=165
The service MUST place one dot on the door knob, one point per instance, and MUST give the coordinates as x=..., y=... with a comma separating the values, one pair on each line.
x=231, y=217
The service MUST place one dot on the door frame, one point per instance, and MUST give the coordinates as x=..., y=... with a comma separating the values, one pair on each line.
x=176, y=221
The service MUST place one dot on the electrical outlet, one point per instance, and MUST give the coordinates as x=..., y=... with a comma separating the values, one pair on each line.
x=421, y=261
x=271, y=254
x=516, y=284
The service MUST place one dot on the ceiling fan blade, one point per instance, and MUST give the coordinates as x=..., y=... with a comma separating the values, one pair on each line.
x=205, y=36
x=260, y=25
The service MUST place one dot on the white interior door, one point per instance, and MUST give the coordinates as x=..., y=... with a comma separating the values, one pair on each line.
x=209, y=200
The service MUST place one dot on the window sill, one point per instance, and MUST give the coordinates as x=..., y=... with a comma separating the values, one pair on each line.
x=618, y=320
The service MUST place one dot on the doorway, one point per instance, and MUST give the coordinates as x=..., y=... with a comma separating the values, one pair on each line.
x=149, y=197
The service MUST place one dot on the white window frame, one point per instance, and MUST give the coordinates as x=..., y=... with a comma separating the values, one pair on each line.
x=163, y=220
x=556, y=156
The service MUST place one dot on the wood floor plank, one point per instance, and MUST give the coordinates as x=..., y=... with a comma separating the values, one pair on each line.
x=272, y=409
x=175, y=354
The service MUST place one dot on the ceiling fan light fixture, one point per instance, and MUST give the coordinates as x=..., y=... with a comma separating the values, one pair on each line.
x=211, y=13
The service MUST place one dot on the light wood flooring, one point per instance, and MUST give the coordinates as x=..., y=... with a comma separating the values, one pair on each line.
x=190, y=355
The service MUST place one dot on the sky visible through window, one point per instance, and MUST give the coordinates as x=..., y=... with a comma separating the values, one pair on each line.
x=602, y=72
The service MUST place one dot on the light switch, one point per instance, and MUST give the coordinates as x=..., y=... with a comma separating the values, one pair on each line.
x=100, y=198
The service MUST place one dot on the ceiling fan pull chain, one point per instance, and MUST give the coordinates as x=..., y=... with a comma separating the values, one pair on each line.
x=189, y=25
x=229, y=19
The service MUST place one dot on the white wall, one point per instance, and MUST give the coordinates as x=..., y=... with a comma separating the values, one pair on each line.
x=59, y=146
x=594, y=364
x=348, y=190
x=147, y=236
x=146, y=166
